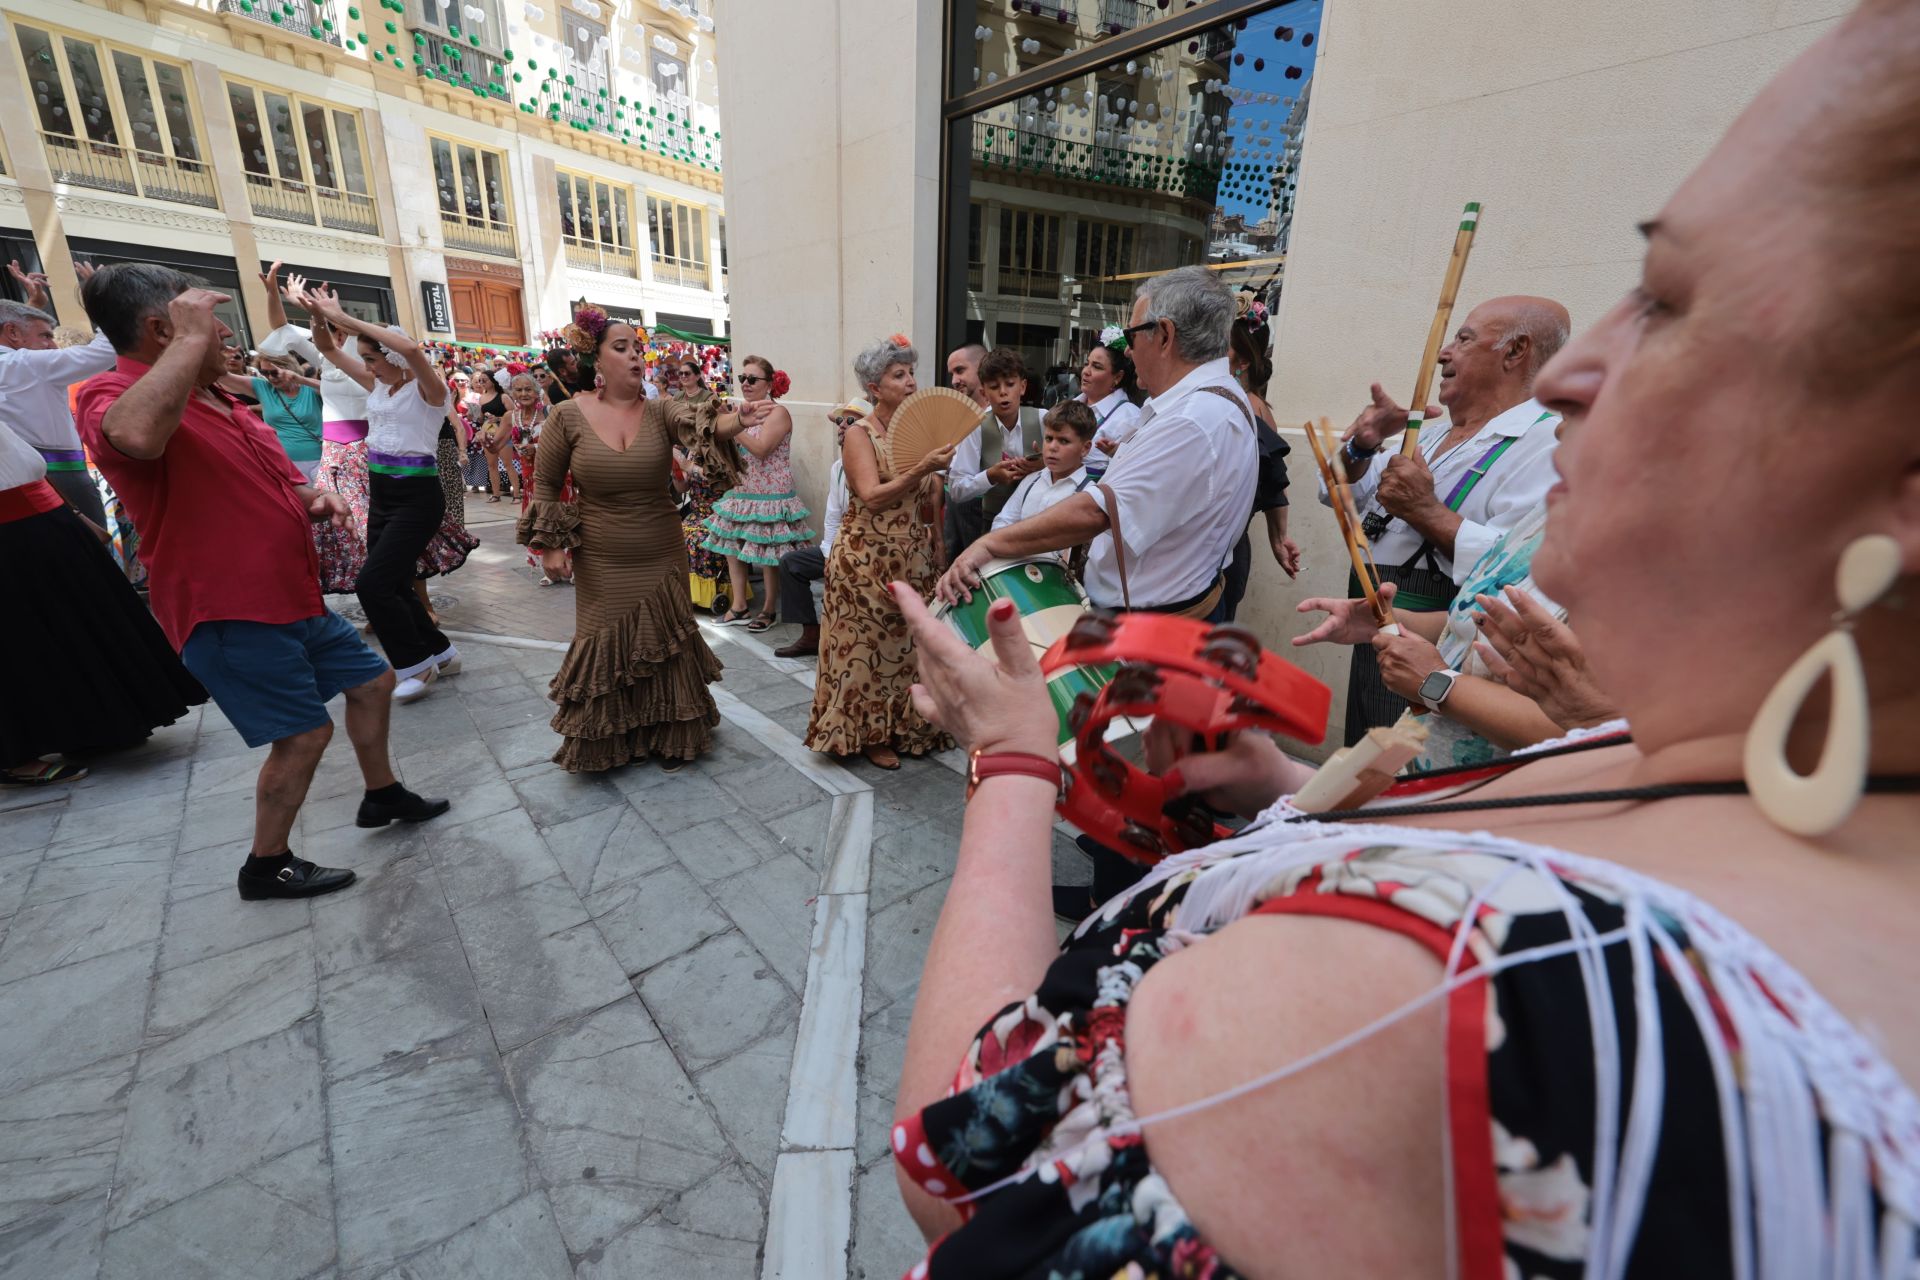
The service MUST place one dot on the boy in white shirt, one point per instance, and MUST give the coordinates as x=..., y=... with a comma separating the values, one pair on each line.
x=1066, y=435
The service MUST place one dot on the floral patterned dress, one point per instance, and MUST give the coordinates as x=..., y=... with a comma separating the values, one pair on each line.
x=1628, y=1072
x=861, y=696
x=761, y=516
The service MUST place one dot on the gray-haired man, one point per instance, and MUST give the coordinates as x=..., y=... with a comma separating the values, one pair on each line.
x=34, y=377
x=1179, y=493
x=1165, y=517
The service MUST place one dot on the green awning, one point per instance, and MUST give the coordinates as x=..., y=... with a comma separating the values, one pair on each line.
x=704, y=339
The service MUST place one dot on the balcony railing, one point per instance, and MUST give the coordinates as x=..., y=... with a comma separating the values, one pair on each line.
x=279, y=199
x=1029, y=284
x=285, y=201
x=1065, y=12
x=444, y=58
x=312, y=18
x=689, y=275
x=1018, y=150
x=477, y=235
x=1216, y=45
x=347, y=211
x=1123, y=15
x=589, y=255
x=86, y=163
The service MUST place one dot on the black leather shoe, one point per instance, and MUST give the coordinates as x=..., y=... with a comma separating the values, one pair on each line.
x=1072, y=902
x=408, y=808
x=297, y=879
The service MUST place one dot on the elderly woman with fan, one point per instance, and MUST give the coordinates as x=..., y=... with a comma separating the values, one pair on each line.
x=862, y=700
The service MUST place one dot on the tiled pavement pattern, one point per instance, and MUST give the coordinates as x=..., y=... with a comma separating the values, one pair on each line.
x=546, y=1035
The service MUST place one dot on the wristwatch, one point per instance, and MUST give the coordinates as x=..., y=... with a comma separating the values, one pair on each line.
x=1435, y=688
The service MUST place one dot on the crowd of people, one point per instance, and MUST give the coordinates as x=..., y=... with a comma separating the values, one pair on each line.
x=1524, y=956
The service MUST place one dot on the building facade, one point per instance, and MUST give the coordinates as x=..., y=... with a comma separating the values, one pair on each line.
x=463, y=170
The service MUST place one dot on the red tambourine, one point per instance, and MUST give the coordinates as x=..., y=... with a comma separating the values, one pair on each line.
x=1209, y=679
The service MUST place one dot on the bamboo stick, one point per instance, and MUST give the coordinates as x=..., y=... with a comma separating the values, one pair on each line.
x=1349, y=520
x=1442, y=317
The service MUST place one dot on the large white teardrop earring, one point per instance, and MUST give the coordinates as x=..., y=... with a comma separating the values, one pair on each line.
x=1820, y=801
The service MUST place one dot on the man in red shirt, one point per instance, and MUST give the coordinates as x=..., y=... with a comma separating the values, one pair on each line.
x=226, y=534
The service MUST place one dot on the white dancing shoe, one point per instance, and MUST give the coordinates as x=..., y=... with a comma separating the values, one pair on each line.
x=414, y=688
x=448, y=663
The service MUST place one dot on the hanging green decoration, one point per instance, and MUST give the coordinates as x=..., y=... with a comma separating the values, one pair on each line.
x=353, y=14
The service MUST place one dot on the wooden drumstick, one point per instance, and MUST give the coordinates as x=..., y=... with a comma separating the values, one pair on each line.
x=1349, y=521
x=1442, y=317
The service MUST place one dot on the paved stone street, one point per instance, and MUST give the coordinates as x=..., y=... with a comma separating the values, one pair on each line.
x=637, y=1025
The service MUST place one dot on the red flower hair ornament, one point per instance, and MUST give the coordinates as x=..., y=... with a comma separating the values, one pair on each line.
x=900, y=340
x=781, y=383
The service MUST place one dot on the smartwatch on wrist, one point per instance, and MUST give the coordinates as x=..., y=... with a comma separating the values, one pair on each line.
x=1435, y=688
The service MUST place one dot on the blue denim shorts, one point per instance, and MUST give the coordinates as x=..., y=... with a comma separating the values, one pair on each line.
x=274, y=680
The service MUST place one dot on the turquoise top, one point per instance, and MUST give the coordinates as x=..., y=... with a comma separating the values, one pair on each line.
x=295, y=419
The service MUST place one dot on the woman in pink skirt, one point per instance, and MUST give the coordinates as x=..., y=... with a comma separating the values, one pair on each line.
x=761, y=516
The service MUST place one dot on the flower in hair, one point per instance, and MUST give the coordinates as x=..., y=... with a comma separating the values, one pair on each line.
x=900, y=340
x=583, y=334
x=1114, y=338
x=780, y=383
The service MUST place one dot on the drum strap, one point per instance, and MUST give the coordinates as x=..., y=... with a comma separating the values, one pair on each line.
x=1119, y=543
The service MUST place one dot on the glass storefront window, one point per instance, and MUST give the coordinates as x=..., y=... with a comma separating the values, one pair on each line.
x=1076, y=189
x=286, y=148
x=173, y=101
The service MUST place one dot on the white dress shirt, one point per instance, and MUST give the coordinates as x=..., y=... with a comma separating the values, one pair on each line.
x=1041, y=492
x=967, y=474
x=33, y=390
x=836, y=505
x=1515, y=484
x=1119, y=418
x=341, y=398
x=19, y=463
x=1185, y=484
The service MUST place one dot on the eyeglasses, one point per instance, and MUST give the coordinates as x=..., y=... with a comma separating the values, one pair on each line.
x=689, y=373
x=1132, y=329
x=752, y=379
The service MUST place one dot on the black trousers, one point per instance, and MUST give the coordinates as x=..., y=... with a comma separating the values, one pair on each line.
x=800, y=568
x=1370, y=704
x=77, y=490
x=403, y=514
x=966, y=524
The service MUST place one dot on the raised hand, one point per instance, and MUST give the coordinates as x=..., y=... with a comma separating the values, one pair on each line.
x=84, y=270
x=32, y=283
x=989, y=705
x=192, y=317
x=1540, y=657
x=938, y=460
x=270, y=276
x=1381, y=419
x=1347, y=621
x=295, y=289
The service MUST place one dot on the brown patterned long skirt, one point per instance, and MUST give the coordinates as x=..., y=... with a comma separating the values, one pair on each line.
x=862, y=695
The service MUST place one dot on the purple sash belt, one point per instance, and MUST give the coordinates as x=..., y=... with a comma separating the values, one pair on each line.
x=63, y=459
x=344, y=430
x=402, y=464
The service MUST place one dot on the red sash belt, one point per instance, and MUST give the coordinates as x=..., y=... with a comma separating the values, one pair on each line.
x=26, y=500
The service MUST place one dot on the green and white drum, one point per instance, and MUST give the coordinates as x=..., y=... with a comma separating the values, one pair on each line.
x=1050, y=602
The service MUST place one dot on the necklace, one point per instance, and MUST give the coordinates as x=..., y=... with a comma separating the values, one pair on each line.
x=1877, y=784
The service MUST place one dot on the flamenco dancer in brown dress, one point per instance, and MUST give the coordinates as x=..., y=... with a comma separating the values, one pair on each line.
x=634, y=683
x=862, y=700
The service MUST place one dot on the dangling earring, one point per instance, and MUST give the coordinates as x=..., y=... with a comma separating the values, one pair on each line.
x=1820, y=801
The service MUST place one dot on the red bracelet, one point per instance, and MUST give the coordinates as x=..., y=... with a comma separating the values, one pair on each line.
x=981, y=767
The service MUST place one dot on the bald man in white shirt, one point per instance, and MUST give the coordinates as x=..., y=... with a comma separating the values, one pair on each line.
x=1476, y=472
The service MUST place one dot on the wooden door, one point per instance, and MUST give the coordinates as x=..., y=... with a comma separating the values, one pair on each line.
x=469, y=324
x=501, y=307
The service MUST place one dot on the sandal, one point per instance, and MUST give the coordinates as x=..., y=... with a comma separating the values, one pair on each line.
x=493, y=497
x=733, y=617
x=761, y=623
x=41, y=773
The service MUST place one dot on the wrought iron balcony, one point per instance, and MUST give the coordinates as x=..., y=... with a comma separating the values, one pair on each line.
x=312, y=18
x=477, y=235
x=590, y=255
x=85, y=163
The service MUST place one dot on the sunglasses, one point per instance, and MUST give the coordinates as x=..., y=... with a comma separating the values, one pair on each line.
x=1144, y=325
x=752, y=379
